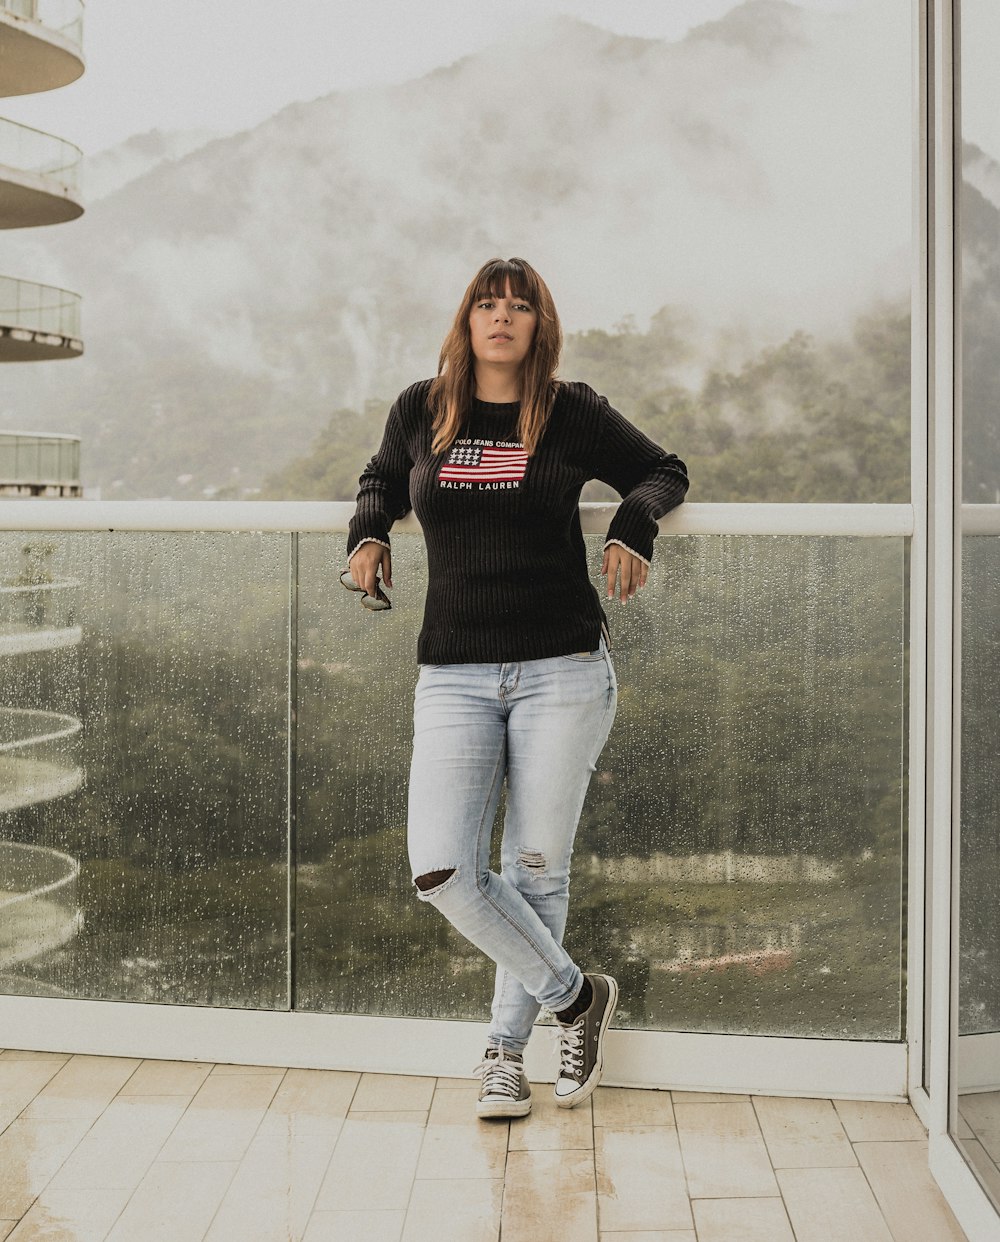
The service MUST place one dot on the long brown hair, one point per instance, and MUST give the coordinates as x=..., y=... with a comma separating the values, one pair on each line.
x=451, y=391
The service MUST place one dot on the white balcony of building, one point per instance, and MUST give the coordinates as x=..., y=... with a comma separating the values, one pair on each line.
x=41, y=914
x=40, y=45
x=39, y=464
x=38, y=322
x=39, y=178
x=38, y=759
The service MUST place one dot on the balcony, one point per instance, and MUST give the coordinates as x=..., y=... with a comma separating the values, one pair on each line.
x=39, y=464
x=38, y=322
x=749, y=872
x=239, y=836
x=40, y=45
x=39, y=178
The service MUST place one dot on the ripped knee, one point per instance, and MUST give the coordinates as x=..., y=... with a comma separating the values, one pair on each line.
x=532, y=860
x=433, y=879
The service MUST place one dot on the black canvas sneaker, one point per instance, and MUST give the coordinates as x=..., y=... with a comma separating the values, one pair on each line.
x=581, y=1044
x=504, y=1090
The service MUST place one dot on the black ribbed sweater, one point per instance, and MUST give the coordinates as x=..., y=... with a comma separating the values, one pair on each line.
x=506, y=560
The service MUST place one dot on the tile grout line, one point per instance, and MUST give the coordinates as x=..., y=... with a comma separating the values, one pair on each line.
x=416, y=1163
x=55, y=1173
x=593, y=1163
x=239, y=1163
x=17, y=1116
x=166, y=1138
x=687, y=1184
x=774, y=1171
x=333, y=1150
x=878, y=1202
x=506, y=1162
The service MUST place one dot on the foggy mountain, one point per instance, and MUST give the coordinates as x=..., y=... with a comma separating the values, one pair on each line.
x=753, y=175
x=116, y=166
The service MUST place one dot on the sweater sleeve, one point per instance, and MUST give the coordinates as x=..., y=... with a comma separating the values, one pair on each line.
x=384, y=492
x=650, y=481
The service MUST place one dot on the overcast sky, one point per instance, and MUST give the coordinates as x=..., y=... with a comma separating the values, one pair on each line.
x=225, y=65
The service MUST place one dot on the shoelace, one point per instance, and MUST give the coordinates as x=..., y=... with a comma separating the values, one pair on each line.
x=500, y=1076
x=569, y=1042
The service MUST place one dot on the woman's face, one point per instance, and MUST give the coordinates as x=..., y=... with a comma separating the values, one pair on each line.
x=502, y=329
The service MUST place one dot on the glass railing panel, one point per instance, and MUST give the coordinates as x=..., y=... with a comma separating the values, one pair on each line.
x=39, y=308
x=738, y=864
x=39, y=459
x=32, y=150
x=358, y=929
x=179, y=680
x=48, y=460
x=8, y=458
x=69, y=460
x=979, y=871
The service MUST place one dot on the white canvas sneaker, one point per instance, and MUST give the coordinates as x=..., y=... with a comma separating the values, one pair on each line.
x=581, y=1044
x=504, y=1090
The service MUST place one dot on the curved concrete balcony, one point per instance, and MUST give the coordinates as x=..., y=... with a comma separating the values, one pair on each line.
x=37, y=463
x=37, y=757
x=39, y=45
x=39, y=178
x=38, y=901
x=38, y=322
x=38, y=616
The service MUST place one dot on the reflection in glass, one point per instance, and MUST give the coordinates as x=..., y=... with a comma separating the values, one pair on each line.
x=978, y=1062
x=738, y=862
x=143, y=767
x=974, y=1119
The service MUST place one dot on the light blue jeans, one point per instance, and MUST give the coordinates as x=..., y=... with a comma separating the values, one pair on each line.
x=542, y=724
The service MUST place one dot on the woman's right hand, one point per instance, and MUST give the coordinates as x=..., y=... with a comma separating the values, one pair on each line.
x=365, y=562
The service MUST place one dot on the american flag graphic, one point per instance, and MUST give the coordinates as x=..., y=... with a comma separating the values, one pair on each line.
x=478, y=463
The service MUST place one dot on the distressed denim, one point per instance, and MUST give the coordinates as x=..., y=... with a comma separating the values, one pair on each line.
x=542, y=724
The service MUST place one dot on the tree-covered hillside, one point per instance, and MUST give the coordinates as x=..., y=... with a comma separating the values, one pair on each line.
x=803, y=421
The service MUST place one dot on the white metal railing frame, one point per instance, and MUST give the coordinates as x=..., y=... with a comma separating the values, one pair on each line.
x=333, y=516
x=35, y=307
x=945, y=520
x=980, y=519
x=29, y=150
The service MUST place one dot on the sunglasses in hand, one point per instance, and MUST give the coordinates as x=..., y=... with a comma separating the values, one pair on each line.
x=378, y=602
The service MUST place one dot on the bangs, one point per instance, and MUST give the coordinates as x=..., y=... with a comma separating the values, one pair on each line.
x=493, y=280
x=454, y=387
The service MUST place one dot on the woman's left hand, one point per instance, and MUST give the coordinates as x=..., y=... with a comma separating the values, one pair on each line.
x=633, y=571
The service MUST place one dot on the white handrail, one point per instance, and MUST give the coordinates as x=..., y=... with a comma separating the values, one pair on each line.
x=980, y=519
x=333, y=516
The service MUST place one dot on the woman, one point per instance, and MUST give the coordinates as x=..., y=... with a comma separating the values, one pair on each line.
x=515, y=678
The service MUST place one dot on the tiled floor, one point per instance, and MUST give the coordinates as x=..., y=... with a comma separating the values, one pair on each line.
x=113, y=1148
